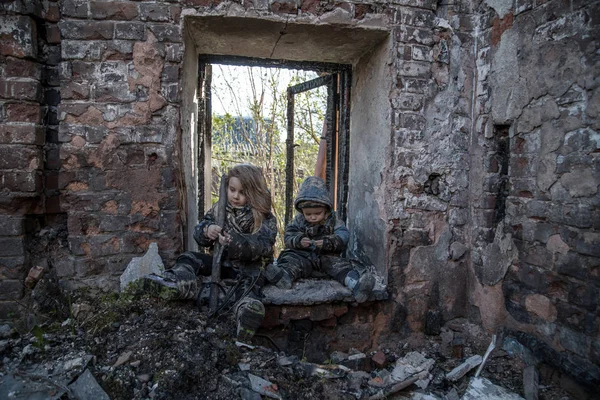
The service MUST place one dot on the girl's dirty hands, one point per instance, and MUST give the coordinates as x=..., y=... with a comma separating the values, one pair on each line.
x=224, y=239
x=213, y=232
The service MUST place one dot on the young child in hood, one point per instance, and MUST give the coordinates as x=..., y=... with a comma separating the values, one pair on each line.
x=314, y=242
x=248, y=236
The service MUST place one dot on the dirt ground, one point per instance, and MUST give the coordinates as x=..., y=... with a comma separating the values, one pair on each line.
x=146, y=348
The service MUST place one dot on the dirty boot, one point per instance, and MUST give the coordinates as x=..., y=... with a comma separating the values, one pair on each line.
x=249, y=315
x=286, y=281
x=360, y=284
x=273, y=273
x=160, y=286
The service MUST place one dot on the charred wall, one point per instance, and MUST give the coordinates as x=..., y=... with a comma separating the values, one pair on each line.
x=535, y=257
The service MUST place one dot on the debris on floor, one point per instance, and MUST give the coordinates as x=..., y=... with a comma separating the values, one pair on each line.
x=119, y=347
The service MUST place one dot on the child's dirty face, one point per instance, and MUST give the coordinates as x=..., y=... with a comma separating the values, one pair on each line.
x=314, y=215
x=235, y=193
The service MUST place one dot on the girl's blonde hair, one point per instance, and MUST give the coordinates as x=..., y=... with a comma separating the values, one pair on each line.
x=255, y=187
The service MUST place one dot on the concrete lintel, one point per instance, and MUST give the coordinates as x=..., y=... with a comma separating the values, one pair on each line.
x=272, y=39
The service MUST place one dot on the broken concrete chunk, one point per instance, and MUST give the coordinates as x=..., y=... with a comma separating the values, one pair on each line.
x=411, y=364
x=123, y=359
x=264, y=387
x=150, y=263
x=530, y=383
x=285, y=361
x=481, y=388
x=337, y=357
x=464, y=368
x=86, y=388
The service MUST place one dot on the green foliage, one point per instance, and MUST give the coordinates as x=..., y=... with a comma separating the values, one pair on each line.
x=38, y=332
x=256, y=128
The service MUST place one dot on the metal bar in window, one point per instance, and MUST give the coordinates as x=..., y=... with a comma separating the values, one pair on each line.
x=312, y=84
x=289, y=169
x=344, y=143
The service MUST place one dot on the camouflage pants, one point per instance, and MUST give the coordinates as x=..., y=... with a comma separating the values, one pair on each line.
x=304, y=264
x=189, y=265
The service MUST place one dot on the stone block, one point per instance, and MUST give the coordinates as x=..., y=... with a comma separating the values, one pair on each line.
x=416, y=17
x=166, y=32
x=86, y=30
x=121, y=10
x=130, y=30
x=11, y=290
x=18, y=36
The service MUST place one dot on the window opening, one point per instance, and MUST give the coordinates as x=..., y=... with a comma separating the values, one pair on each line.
x=319, y=108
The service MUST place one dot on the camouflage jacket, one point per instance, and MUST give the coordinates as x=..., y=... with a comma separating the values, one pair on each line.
x=332, y=231
x=247, y=249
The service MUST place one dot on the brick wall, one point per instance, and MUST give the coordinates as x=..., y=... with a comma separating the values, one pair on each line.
x=21, y=139
x=490, y=189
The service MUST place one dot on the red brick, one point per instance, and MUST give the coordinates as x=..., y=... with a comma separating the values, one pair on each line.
x=21, y=90
x=284, y=7
x=122, y=10
x=11, y=290
x=52, y=34
x=19, y=68
x=360, y=10
x=23, y=112
x=310, y=6
x=88, y=30
x=11, y=246
x=17, y=181
x=379, y=359
x=52, y=11
x=53, y=205
x=22, y=134
x=21, y=157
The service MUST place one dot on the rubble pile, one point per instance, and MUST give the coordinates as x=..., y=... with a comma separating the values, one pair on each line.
x=121, y=347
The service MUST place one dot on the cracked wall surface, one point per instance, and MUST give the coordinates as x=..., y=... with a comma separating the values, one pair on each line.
x=474, y=146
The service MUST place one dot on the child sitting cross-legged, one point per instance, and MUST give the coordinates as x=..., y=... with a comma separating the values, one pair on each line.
x=314, y=242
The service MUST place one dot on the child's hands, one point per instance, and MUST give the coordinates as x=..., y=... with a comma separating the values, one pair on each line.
x=306, y=242
x=213, y=232
x=224, y=239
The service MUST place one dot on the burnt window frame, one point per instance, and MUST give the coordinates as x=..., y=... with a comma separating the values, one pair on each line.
x=338, y=79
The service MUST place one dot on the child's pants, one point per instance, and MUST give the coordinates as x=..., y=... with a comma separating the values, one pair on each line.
x=304, y=264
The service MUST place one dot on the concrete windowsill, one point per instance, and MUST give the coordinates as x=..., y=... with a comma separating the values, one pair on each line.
x=306, y=292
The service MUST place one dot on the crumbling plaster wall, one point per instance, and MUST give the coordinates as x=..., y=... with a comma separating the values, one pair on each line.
x=536, y=250
x=189, y=140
